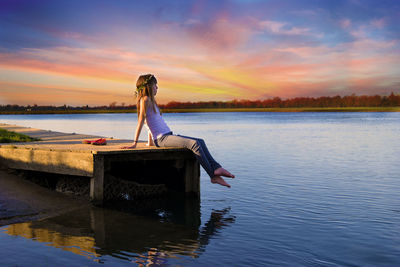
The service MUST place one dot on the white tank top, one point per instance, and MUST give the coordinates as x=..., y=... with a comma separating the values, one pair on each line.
x=155, y=123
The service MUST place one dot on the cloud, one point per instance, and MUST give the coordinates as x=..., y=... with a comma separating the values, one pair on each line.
x=276, y=27
x=102, y=63
x=345, y=23
x=218, y=34
x=378, y=23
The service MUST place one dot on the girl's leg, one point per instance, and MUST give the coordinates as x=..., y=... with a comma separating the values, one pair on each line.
x=199, y=149
x=214, y=164
x=218, y=170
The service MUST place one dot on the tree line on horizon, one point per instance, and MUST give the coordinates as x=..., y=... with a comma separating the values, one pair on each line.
x=298, y=102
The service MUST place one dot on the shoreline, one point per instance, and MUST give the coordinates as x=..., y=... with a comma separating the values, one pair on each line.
x=205, y=110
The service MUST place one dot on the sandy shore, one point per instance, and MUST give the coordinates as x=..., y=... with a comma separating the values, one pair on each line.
x=22, y=200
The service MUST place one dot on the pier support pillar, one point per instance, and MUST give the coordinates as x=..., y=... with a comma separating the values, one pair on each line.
x=97, y=181
x=192, y=177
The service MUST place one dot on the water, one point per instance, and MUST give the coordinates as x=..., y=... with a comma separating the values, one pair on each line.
x=312, y=189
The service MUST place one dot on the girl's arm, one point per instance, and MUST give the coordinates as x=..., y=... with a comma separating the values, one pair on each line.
x=150, y=141
x=140, y=122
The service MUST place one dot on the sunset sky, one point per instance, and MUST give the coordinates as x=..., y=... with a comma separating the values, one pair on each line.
x=91, y=52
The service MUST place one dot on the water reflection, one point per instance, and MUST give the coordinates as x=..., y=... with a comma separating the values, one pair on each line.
x=146, y=236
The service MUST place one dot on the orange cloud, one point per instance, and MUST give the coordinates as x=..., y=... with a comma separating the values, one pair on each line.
x=75, y=62
x=29, y=94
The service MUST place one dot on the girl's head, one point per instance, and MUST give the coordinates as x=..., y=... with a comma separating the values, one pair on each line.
x=146, y=85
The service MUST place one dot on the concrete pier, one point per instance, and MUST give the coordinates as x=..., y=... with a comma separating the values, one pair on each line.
x=64, y=153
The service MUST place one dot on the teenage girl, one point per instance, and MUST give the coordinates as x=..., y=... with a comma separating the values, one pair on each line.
x=161, y=135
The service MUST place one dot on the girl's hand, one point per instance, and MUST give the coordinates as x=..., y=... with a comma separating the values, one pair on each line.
x=130, y=147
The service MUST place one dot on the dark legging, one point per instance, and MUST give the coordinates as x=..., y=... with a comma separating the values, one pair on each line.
x=197, y=145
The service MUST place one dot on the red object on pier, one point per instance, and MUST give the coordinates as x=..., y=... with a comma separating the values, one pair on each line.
x=98, y=142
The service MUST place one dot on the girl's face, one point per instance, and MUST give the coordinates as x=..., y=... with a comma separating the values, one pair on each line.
x=154, y=87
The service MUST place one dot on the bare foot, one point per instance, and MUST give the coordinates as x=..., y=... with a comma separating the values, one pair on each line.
x=222, y=172
x=219, y=180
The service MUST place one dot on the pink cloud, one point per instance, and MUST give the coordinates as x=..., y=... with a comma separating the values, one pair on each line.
x=111, y=64
x=378, y=23
x=345, y=23
x=218, y=34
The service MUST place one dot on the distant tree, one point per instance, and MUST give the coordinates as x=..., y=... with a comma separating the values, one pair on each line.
x=113, y=105
x=393, y=100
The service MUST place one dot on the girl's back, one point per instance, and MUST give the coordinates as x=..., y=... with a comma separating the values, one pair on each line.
x=155, y=123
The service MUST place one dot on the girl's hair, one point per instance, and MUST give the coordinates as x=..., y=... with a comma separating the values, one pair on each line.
x=144, y=88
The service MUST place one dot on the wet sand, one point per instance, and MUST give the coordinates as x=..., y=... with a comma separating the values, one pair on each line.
x=22, y=200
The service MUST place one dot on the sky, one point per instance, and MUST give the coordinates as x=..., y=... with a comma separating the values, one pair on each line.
x=91, y=52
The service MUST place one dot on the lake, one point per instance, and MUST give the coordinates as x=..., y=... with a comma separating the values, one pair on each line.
x=311, y=189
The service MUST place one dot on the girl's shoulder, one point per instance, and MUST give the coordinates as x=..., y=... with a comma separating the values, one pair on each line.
x=148, y=103
x=146, y=100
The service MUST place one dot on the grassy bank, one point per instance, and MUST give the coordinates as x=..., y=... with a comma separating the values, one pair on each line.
x=187, y=110
x=11, y=137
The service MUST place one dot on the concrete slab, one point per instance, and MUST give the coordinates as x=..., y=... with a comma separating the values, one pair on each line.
x=51, y=140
